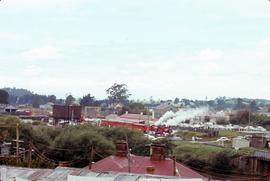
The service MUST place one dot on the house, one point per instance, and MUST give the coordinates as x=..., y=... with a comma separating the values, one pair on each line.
x=257, y=164
x=132, y=118
x=92, y=112
x=10, y=109
x=156, y=164
x=260, y=140
x=5, y=149
x=163, y=108
x=240, y=142
x=139, y=117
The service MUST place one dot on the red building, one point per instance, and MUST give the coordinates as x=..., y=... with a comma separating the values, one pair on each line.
x=156, y=164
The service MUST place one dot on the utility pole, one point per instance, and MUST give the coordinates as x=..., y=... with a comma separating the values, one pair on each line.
x=128, y=156
x=17, y=144
x=91, y=157
x=30, y=154
x=249, y=119
x=174, y=166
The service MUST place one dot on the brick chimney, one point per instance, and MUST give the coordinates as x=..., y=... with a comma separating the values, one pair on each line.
x=121, y=148
x=158, y=152
x=150, y=170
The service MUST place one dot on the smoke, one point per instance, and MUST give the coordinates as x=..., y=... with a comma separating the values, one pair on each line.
x=170, y=118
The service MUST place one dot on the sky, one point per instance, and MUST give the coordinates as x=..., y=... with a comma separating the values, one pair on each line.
x=161, y=48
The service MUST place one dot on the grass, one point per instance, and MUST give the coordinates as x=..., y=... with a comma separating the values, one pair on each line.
x=185, y=150
x=229, y=134
x=187, y=135
x=246, y=151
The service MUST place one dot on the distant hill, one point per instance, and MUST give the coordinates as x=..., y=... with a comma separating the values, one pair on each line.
x=17, y=92
x=24, y=96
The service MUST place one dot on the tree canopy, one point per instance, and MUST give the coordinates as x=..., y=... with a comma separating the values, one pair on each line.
x=3, y=97
x=69, y=100
x=87, y=100
x=118, y=93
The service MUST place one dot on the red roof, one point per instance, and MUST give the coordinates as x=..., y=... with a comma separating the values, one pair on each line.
x=139, y=164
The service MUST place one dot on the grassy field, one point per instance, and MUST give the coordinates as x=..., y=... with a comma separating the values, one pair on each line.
x=229, y=134
x=187, y=135
x=185, y=149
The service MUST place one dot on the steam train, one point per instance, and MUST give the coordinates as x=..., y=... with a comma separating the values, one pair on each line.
x=158, y=130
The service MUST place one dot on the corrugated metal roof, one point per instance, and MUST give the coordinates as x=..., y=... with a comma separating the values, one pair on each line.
x=139, y=163
x=262, y=155
x=62, y=174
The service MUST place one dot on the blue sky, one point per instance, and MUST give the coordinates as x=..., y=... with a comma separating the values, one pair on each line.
x=164, y=49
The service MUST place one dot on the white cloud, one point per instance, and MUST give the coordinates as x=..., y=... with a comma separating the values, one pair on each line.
x=47, y=52
x=39, y=5
x=8, y=36
x=210, y=68
x=266, y=42
x=32, y=71
x=210, y=54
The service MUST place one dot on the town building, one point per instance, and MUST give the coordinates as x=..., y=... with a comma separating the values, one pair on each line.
x=92, y=112
x=240, y=142
x=156, y=164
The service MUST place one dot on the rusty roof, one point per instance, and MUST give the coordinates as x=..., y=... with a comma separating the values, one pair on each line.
x=64, y=173
x=139, y=163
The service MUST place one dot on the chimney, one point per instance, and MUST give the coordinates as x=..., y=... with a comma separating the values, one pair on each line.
x=153, y=114
x=121, y=148
x=62, y=164
x=157, y=152
x=150, y=170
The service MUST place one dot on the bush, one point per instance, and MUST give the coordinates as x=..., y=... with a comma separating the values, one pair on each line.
x=221, y=162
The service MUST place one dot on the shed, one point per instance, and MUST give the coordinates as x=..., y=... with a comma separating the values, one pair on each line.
x=240, y=142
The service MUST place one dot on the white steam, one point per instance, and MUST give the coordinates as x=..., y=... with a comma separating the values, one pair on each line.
x=170, y=118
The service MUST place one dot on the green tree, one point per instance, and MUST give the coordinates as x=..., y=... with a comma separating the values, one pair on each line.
x=37, y=101
x=69, y=100
x=3, y=97
x=253, y=106
x=176, y=100
x=221, y=161
x=87, y=100
x=118, y=93
x=239, y=104
x=52, y=98
x=221, y=103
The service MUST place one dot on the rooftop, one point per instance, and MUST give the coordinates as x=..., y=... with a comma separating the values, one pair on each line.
x=139, y=163
x=76, y=174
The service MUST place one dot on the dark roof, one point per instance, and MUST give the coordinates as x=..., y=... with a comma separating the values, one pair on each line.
x=139, y=164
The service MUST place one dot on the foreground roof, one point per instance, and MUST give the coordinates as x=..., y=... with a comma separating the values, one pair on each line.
x=138, y=165
x=76, y=174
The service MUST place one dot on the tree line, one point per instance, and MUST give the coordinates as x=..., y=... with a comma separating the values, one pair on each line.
x=119, y=93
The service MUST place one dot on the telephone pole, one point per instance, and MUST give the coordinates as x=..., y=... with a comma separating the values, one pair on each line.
x=17, y=144
x=91, y=156
x=30, y=154
x=128, y=156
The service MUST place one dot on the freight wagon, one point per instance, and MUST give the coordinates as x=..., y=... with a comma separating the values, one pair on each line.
x=62, y=112
x=141, y=127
